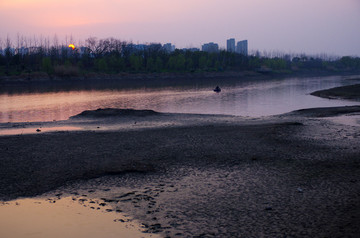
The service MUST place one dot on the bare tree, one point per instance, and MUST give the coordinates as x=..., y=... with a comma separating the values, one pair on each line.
x=35, y=42
x=8, y=43
x=91, y=43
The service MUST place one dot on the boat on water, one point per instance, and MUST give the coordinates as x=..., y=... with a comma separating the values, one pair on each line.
x=217, y=89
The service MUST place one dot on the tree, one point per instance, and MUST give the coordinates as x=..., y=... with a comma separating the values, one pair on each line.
x=116, y=64
x=101, y=65
x=135, y=62
x=150, y=65
x=46, y=65
x=180, y=62
x=8, y=55
x=172, y=63
x=159, y=64
x=202, y=62
x=189, y=64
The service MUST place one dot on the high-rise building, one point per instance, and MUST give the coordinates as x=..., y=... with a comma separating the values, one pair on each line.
x=168, y=47
x=210, y=47
x=230, y=45
x=242, y=47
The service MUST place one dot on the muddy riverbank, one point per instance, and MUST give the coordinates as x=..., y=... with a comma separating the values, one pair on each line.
x=198, y=175
x=351, y=92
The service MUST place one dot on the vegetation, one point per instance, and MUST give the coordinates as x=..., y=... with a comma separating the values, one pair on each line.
x=112, y=56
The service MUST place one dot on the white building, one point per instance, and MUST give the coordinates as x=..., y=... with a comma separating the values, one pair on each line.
x=22, y=51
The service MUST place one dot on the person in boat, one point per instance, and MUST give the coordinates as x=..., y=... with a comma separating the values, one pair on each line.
x=217, y=89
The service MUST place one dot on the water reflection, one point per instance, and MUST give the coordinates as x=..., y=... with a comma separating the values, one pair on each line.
x=63, y=217
x=244, y=98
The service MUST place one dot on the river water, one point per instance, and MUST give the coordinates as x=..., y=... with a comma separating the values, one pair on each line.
x=252, y=98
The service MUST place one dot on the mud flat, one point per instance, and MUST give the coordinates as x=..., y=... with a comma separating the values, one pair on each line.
x=186, y=175
x=351, y=92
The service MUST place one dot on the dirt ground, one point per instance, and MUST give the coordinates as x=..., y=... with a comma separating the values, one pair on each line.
x=183, y=175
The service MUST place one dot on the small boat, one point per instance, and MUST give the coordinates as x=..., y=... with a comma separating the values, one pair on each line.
x=217, y=89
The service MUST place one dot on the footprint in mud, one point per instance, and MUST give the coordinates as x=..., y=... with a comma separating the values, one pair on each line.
x=82, y=200
x=144, y=203
x=121, y=220
x=153, y=228
x=126, y=194
x=106, y=200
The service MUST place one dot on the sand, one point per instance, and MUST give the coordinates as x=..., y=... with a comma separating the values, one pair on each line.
x=187, y=175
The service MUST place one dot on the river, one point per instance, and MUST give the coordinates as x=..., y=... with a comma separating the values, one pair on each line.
x=250, y=98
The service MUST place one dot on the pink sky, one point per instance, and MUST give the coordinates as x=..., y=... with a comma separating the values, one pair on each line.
x=309, y=26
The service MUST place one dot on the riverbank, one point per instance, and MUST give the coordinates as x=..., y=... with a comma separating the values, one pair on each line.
x=43, y=78
x=198, y=175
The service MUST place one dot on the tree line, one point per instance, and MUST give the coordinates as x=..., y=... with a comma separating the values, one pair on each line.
x=113, y=56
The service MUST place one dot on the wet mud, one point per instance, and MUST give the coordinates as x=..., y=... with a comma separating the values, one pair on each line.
x=287, y=176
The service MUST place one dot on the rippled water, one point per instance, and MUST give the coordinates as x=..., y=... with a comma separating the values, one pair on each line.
x=238, y=97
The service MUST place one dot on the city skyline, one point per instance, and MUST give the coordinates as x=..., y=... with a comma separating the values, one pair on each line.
x=310, y=27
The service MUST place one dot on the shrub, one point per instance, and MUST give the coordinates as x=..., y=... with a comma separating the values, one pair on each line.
x=66, y=71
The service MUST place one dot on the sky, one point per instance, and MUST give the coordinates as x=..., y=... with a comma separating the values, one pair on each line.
x=291, y=26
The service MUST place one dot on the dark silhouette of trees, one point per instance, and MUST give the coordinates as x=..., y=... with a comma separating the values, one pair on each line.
x=112, y=56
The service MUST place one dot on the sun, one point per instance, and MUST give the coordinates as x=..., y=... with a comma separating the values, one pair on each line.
x=72, y=46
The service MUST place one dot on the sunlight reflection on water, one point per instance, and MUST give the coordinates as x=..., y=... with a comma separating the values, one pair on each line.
x=63, y=217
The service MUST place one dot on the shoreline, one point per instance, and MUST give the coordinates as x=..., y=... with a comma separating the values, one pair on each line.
x=282, y=175
x=165, y=77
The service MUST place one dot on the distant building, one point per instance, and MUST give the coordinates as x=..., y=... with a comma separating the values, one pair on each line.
x=210, y=47
x=191, y=49
x=84, y=50
x=134, y=48
x=10, y=50
x=64, y=49
x=168, y=47
x=22, y=51
x=154, y=47
x=139, y=47
x=242, y=47
x=230, y=45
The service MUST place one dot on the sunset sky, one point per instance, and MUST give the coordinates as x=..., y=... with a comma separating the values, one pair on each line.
x=297, y=26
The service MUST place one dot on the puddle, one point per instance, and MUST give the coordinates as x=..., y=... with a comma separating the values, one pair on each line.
x=58, y=218
x=21, y=131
